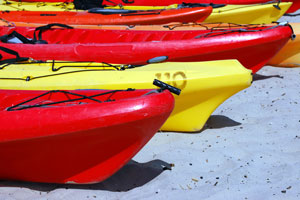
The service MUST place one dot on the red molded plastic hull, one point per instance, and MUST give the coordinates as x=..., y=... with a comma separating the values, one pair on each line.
x=84, y=143
x=253, y=48
x=153, y=17
x=293, y=8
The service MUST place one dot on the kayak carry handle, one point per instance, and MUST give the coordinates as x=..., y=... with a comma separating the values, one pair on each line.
x=165, y=86
x=41, y=29
x=277, y=6
x=49, y=26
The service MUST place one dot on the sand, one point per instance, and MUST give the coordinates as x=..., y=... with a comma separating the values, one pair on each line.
x=250, y=149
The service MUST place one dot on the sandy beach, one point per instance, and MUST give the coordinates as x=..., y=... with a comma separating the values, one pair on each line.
x=249, y=149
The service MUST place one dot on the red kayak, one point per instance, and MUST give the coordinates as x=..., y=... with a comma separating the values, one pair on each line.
x=293, y=8
x=253, y=46
x=81, y=136
x=110, y=16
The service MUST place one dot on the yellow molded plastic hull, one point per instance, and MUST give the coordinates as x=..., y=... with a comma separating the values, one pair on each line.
x=248, y=14
x=289, y=55
x=205, y=85
x=36, y=6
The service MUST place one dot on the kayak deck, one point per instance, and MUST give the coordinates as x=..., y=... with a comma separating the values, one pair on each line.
x=204, y=85
x=259, y=43
x=83, y=17
x=249, y=14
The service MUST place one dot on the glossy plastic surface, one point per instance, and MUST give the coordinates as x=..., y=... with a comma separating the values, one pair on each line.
x=289, y=55
x=249, y=14
x=241, y=14
x=253, y=47
x=294, y=7
x=204, y=85
x=77, y=142
x=84, y=17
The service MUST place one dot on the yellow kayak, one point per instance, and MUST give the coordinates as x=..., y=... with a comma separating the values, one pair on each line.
x=241, y=14
x=204, y=85
x=249, y=14
x=289, y=55
x=67, y=6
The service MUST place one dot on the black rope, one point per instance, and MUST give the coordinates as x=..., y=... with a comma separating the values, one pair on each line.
x=112, y=2
x=291, y=15
x=277, y=6
x=9, y=51
x=247, y=29
x=15, y=34
x=221, y=25
x=17, y=61
x=36, y=39
x=11, y=60
x=14, y=108
x=29, y=78
x=94, y=66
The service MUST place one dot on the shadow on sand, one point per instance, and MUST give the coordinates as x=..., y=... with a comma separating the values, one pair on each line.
x=257, y=77
x=220, y=121
x=132, y=175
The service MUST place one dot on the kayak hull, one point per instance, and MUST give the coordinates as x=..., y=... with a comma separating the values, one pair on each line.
x=152, y=17
x=80, y=144
x=293, y=8
x=253, y=48
x=289, y=55
x=204, y=85
x=240, y=14
x=248, y=14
